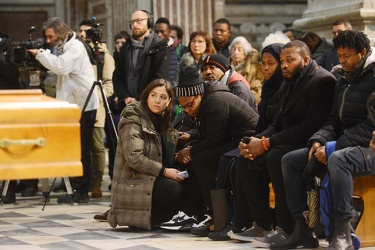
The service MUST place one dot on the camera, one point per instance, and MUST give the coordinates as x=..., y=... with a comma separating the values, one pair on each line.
x=29, y=69
x=19, y=48
x=95, y=33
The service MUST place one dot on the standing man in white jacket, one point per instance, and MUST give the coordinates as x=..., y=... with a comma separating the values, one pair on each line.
x=75, y=77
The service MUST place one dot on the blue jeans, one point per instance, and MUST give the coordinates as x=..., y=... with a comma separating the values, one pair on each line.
x=343, y=164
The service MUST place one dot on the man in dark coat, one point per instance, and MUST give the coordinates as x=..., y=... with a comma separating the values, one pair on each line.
x=143, y=58
x=347, y=133
x=306, y=99
x=224, y=119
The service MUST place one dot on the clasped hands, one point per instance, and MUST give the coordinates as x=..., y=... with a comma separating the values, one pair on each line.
x=184, y=156
x=253, y=149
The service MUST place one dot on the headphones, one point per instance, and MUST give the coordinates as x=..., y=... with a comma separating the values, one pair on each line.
x=150, y=19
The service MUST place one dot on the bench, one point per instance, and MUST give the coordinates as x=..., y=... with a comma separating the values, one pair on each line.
x=365, y=188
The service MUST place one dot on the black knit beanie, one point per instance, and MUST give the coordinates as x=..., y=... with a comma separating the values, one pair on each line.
x=189, y=83
x=218, y=60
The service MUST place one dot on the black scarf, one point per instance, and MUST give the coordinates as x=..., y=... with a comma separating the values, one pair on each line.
x=270, y=87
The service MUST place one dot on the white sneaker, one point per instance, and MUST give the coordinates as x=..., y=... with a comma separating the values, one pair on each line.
x=180, y=222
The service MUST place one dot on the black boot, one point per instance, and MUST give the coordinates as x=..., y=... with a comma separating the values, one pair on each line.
x=301, y=237
x=341, y=239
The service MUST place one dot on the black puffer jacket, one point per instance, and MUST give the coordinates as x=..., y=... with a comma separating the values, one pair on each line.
x=223, y=117
x=349, y=123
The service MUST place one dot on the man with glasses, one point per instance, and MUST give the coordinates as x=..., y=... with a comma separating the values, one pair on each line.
x=143, y=58
x=223, y=120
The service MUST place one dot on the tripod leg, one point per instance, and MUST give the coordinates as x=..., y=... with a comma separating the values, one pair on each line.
x=89, y=96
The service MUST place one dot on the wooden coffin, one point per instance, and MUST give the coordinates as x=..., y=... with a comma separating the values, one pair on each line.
x=39, y=136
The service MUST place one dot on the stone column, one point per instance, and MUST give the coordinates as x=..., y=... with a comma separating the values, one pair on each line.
x=320, y=14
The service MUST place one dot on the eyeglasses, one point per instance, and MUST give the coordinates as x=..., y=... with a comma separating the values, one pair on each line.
x=138, y=21
x=189, y=105
x=198, y=42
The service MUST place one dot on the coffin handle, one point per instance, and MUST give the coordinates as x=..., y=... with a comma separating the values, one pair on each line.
x=40, y=141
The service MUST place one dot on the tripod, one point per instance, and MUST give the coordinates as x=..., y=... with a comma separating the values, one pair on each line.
x=109, y=118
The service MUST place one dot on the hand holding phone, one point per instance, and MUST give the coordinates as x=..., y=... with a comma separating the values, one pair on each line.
x=184, y=174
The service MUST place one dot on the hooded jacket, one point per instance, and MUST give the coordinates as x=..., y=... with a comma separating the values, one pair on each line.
x=138, y=163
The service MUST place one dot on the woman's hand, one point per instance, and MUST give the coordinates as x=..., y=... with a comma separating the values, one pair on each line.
x=172, y=173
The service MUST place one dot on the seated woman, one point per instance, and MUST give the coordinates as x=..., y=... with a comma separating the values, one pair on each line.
x=246, y=61
x=145, y=185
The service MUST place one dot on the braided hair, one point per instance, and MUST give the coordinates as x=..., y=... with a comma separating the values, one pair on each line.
x=352, y=39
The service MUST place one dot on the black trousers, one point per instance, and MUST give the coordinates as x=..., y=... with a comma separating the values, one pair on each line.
x=165, y=199
x=255, y=178
x=82, y=184
x=205, y=165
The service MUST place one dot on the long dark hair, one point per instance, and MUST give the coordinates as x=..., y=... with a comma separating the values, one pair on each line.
x=162, y=121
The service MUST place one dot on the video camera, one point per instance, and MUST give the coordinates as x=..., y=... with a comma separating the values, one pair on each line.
x=19, y=51
x=15, y=54
x=95, y=33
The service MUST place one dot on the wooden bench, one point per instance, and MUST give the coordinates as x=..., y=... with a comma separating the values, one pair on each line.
x=365, y=188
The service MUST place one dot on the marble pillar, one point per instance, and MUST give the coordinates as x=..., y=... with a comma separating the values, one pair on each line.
x=320, y=14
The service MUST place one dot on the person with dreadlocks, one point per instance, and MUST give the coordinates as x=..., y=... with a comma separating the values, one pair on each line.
x=342, y=144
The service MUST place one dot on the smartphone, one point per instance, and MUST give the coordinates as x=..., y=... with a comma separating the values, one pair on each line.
x=184, y=174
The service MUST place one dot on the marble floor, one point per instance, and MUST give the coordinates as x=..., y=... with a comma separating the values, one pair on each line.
x=24, y=226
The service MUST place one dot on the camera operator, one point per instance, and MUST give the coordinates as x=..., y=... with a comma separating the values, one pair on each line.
x=75, y=77
x=9, y=69
x=90, y=33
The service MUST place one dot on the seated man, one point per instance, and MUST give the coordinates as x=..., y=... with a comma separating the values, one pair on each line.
x=306, y=99
x=216, y=67
x=224, y=119
x=348, y=130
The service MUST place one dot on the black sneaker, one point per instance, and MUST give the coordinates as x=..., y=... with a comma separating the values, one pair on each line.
x=180, y=222
x=204, y=227
x=77, y=197
x=226, y=232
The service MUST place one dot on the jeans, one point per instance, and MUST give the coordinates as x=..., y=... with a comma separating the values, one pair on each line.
x=343, y=164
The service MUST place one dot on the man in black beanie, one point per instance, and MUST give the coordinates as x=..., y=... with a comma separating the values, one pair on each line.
x=223, y=120
x=216, y=67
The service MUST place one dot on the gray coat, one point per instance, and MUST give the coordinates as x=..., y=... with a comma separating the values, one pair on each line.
x=138, y=163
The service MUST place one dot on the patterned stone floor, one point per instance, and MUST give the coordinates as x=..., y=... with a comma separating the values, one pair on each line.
x=24, y=226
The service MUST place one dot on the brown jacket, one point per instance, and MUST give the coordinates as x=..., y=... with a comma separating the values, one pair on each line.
x=138, y=163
